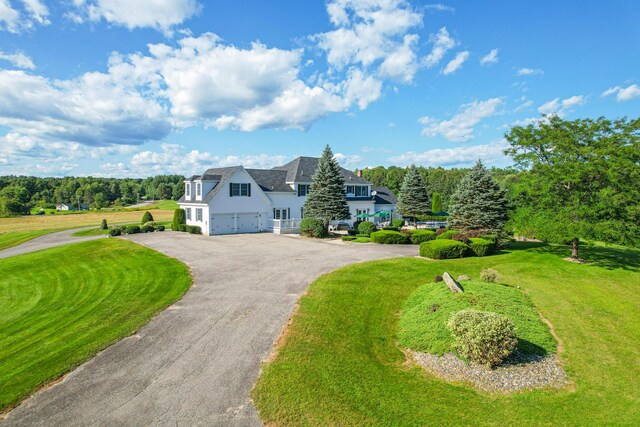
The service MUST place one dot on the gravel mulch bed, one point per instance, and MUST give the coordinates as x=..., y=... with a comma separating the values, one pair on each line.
x=517, y=374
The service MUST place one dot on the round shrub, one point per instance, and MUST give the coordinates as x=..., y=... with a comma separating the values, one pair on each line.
x=480, y=247
x=132, y=229
x=147, y=228
x=356, y=224
x=179, y=217
x=313, y=227
x=448, y=234
x=421, y=236
x=389, y=237
x=182, y=227
x=146, y=217
x=443, y=249
x=483, y=337
x=103, y=224
x=398, y=222
x=352, y=232
x=367, y=227
x=489, y=275
x=160, y=228
x=349, y=238
x=115, y=232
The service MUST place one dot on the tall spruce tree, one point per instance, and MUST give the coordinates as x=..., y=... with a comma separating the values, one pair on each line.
x=413, y=199
x=436, y=203
x=327, y=199
x=479, y=203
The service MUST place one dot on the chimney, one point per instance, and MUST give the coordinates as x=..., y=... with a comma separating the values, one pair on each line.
x=359, y=172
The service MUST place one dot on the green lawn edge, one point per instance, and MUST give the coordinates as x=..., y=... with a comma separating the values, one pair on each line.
x=340, y=363
x=61, y=306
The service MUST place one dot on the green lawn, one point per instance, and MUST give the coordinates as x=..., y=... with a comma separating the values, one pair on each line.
x=341, y=364
x=60, y=306
x=8, y=240
x=423, y=325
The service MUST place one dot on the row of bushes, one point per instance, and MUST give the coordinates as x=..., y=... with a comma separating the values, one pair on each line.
x=449, y=249
x=135, y=229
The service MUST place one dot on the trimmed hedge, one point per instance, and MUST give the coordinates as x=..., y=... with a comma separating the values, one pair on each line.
x=182, y=227
x=349, y=238
x=362, y=235
x=484, y=337
x=398, y=222
x=193, y=229
x=490, y=237
x=390, y=237
x=366, y=227
x=147, y=228
x=313, y=227
x=115, y=232
x=352, y=232
x=391, y=228
x=448, y=235
x=132, y=229
x=146, y=217
x=481, y=247
x=421, y=236
x=160, y=228
x=443, y=249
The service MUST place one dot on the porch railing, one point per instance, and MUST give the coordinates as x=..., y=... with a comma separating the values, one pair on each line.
x=281, y=226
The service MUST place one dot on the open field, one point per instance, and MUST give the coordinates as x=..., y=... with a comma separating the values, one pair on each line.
x=340, y=363
x=56, y=314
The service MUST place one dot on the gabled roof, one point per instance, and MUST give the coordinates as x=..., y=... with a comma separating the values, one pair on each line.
x=384, y=196
x=221, y=175
x=271, y=180
x=302, y=169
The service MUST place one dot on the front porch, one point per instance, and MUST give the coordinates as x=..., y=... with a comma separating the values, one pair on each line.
x=284, y=226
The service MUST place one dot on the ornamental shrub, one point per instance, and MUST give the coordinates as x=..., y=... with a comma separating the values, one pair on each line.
x=313, y=227
x=193, y=229
x=362, y=235
x=160, y=228
x=356, y=224
x=182, y=227
x=420, y=236
x=489, y=275
x=103, y=224
x=389, y=237
x=490, y=237
x=115, y=232
x=480, y=247
x=448, y=234
x=483, y=337
x=443, y=249
x=151, y=223
x=179, y=217
x=132, y=229
x=146, y=217
x=398, y=222
x=147, y=228
x=349, y=238
x=352, y=232
x=367, y=227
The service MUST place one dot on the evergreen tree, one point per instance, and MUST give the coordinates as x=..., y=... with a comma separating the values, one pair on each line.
x=436, y=203
x=146, y=217
x=479, y=203
x=413, y=200
x=327, y=197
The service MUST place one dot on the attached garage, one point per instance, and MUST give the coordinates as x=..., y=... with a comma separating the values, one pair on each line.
x=232, y=223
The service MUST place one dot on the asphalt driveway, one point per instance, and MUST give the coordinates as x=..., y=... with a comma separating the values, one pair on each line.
x=196, y=362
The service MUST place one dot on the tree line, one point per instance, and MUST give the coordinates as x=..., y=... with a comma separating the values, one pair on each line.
x=18, y=194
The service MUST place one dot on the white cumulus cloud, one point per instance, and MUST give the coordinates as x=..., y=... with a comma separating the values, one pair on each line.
x=442, y=43
x=529, y=72
x=561, y=107
x=19, y=59
x=490, y=154
x=14, y=20
x=460, y=127
x=623, y=94
x=455, y=64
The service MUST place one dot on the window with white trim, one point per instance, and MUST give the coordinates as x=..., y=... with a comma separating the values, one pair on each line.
x=187, y=212
x=187, y=190
x=357, y=190
x=198, y=214
x=239, y=189
x=304, y=189
x=198, y=189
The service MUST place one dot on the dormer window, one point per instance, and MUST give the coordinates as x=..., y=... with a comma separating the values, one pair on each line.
x=198, y=189
x=187, y=190
x=357, y=190
x=303, y=189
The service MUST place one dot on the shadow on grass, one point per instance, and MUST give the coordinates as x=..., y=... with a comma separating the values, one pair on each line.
x=611, y=257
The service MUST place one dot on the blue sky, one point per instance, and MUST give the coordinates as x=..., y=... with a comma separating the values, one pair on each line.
x=137, y=88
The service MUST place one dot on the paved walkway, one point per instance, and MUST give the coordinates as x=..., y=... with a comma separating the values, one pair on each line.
x=196, y=362
x=48, y=241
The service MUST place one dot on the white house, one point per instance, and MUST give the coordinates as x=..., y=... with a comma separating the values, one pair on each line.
x=238, y=200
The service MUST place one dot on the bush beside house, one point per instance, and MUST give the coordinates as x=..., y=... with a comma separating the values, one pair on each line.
x=313, y=227
x=179, y=218
x=366, y=227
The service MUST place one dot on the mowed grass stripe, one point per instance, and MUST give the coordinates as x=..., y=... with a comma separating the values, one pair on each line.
x=61, y=306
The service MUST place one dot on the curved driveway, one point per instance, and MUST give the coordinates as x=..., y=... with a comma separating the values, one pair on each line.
x=196, y=362
x=48, y=241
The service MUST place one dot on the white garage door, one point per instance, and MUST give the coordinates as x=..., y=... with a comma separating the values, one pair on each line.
x=230, y=223
x=222, y=223
x=247, y=223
